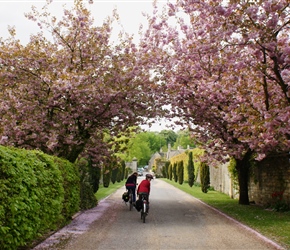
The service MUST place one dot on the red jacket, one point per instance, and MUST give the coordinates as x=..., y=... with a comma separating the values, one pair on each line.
x=144, y=187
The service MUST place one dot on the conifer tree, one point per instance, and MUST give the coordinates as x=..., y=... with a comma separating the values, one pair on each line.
x=123, y=167
x=114, y=174
x=190, y=170
x=174, y=172
x=95, y=175
x=180, y=172
x=204, y=177
x=170, y=172
x=166, y=167
x=106, y=176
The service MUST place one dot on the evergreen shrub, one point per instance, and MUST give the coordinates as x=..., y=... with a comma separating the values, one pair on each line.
x=180, y=172
x=204, y=177
x=33, y=198
x=190, y=170
x=174, y=172
x=88, y=184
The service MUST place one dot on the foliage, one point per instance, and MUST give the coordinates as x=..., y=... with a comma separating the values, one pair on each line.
x=180, y=172
x=279, y=204
x=114, y=170
x=114, y=175
x=181, y=157
x=190, y=170
x=71, y=185
x=36, y=196
x=95, y=175
x=170, y=171
x=204, y=177
x=106, y=176
x=166, y=169
x=119, y=174
x=184, y=140
x=163, y=171
x=88, y=199
x=230, y=115
x=174, y=172
x=154, y=169
x=123, y=170
x=87, y=185
x=157, y=140
x=127, y=171
x=159, y=163
x=64, y=94
x=169, y=136
x=141, y=145
x=233, y=171
x=197, y=155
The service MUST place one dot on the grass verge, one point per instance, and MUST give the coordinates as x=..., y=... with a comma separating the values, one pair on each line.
x=103, y=192
x=273, y=225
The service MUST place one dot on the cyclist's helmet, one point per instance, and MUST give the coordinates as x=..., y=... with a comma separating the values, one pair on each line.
x=149, y=176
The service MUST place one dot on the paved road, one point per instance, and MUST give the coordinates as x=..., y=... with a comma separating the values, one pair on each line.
x=175, y=221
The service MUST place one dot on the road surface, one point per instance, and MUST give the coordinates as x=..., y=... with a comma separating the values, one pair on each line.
x=176, y=220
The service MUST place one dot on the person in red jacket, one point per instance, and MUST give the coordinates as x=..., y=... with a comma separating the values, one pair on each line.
x=144, y=188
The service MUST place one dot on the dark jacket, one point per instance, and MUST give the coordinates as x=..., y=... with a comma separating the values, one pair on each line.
x=131, y=181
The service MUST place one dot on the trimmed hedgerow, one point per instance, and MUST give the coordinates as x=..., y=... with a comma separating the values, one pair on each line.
x=71, y=185
x=34, y=195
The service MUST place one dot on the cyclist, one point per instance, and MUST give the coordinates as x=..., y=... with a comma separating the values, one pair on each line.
x=144, y=188
x=131, y=185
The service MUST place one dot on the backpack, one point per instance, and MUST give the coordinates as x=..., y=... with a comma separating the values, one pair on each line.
x=138, y=205
x=125, y=196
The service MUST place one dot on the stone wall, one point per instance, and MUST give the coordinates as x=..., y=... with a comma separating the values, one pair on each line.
x=272, y=175
x=221, y=181
x=133, y=165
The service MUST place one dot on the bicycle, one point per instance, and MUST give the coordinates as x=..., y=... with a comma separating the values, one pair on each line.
x=130, y=199
x=145, y=206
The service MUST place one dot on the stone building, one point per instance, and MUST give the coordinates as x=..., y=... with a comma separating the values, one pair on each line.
x=158, y=159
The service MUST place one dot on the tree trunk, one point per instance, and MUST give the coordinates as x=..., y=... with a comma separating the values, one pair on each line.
x=71, y=153
x=243, y=167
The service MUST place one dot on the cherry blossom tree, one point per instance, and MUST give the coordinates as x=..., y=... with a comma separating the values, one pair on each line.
x=226, y=65
x=62, y=95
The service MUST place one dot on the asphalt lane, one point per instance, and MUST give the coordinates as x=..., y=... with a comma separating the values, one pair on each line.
x=176, y=220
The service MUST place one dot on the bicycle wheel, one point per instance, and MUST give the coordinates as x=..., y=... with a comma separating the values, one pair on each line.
x=144, y=211
x=130, y=201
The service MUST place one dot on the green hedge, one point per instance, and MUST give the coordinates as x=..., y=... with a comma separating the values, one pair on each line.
x=71, y=185
x=39, y=193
